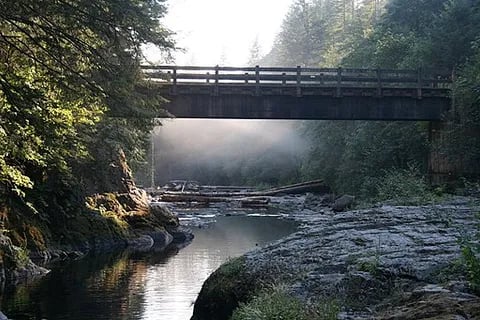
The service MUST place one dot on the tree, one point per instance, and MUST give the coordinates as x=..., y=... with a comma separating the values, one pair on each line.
x=255, y=53
x=65, y=66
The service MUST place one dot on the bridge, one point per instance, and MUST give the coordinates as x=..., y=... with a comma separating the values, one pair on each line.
x=302, y=93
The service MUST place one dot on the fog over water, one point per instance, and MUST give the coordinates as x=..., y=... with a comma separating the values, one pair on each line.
x=227, y=151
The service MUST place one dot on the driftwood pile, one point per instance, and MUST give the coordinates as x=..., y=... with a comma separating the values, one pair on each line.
x=245, y=198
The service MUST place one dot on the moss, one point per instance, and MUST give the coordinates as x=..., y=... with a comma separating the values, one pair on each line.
x=88, y=227
x=224, y=290
x=21, y=257
x=117, y=222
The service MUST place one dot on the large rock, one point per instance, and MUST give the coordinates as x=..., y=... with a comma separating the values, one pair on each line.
x=343, y=203
x=164, y=216
x=365, y=258
x=112, y=173
x=15, y=265
x=433, y=302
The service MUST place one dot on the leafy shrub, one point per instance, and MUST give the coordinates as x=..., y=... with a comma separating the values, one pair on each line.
x=406, y=186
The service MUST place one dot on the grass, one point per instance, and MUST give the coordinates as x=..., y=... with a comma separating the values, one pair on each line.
x=275, y=303
x=371, y=266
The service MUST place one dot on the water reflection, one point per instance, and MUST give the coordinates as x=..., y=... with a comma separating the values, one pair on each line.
x=141, y=286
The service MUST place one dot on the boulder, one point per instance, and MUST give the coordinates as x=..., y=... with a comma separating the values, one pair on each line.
x=343, y=203
x=164, y=216
x=142, y=243
x=15, y=265
x=389, y=262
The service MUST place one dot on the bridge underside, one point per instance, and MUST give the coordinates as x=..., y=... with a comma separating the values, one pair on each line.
x=241, y=106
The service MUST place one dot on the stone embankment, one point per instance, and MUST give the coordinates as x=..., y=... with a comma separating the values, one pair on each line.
x=387, y=262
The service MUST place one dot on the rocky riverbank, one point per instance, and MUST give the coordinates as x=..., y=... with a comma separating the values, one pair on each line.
x=73, y=225
x=387, y=262
x=114, y=221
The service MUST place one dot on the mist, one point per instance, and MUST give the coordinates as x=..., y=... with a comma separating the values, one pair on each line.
x=228, y=152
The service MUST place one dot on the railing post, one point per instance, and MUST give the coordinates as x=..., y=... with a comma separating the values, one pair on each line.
x=339, y=83
x=174, y=89
x=215, y=89
x=299, y=81
x=284, y=79
x=257, y=80
x=419, y=83
x=322, y=81
x=246, y=77
x=208, y=77
x=379, y=83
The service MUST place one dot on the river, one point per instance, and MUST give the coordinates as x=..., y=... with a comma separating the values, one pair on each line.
x=153, y=285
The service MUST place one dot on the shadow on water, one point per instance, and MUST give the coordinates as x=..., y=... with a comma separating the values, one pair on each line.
x=153, y=285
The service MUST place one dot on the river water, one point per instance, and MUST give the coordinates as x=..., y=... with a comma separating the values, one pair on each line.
x=153, y=285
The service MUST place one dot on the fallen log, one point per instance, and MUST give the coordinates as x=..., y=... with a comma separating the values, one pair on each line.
x=252, y=196
x=310, y=186
x=254, y=202
x=192, y=198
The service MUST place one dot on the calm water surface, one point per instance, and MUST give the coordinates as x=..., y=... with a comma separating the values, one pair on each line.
x=161, y=285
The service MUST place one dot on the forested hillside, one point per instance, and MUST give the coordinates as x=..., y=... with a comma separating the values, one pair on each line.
x=70, y=85
x=367, y=158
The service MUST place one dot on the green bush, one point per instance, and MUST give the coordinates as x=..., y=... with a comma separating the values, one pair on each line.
x=277, y=304
x=406, y=186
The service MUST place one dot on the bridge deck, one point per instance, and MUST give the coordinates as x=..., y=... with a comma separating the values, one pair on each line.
x=302, y=93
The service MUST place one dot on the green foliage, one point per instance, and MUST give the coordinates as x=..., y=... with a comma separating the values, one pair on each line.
x=275, y=304
x=68, y=71
x=472, y=262
x=350, y=156
x=371, y=266
x=67, y=67
x=405, y=186
x=471, y=259
x=322, y=32
x=462, y=144
x=354, y=157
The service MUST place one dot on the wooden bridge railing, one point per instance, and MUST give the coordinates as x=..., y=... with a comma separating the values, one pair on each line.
x=300, y=78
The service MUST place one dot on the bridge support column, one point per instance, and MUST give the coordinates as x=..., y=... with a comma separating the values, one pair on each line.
x=441, y=169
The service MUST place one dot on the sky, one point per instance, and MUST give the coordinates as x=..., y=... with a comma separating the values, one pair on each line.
x=222, y=31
